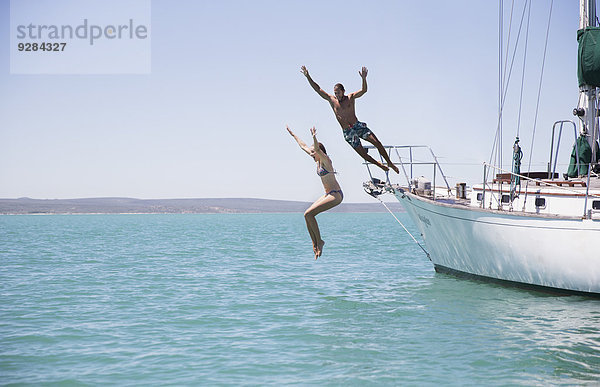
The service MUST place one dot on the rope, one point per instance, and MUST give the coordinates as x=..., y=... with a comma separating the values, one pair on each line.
x=405, y=229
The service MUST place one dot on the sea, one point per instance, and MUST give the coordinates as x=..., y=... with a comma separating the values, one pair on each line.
x=238, y=299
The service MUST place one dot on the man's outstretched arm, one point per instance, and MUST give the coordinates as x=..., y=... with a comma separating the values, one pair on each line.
x=314, y=84
x=361, y=92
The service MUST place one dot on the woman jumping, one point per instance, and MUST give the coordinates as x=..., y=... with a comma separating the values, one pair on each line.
x=333, y=193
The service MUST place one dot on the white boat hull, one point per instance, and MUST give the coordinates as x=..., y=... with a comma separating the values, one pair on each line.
x=530, y=250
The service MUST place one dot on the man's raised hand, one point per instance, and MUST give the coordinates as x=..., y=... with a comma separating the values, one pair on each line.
x=363, y=72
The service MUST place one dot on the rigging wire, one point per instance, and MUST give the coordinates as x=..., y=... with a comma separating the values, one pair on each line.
x=405, y=229
x=500, y=45
x=537, y=105
x=502, y=74
x=524, y=63
x=497, y=146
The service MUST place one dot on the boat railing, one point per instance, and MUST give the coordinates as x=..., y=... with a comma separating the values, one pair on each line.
x=408, y=163
x=552, y=166
x=538, y=182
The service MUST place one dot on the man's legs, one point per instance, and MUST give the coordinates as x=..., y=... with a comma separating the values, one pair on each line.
x=363, y=153
x=373, y=140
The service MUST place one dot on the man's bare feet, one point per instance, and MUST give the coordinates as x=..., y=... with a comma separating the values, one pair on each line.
x=383, y=167
x=319, y=249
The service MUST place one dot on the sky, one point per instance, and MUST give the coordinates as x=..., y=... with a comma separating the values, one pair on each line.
x=207, y=118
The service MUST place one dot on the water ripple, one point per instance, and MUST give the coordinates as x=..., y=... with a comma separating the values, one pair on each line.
x=239, y=299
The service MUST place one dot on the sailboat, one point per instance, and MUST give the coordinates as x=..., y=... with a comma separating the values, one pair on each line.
x=532, y=229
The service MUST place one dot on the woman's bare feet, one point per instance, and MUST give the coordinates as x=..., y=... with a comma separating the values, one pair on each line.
x=319, y=249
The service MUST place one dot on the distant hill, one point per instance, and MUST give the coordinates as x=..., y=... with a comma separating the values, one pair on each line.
x=171, y=206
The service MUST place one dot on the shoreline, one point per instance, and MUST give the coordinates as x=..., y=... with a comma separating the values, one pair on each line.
x=129, y=206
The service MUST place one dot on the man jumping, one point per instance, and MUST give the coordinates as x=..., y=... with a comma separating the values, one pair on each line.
x=353, y=129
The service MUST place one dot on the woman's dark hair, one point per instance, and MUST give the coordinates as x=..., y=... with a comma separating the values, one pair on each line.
x=339, y=86
x=322, y=147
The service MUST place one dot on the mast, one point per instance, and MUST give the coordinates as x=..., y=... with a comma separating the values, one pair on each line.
x=589, y=114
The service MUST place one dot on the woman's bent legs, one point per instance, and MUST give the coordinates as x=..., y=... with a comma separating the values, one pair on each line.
x=324, y=203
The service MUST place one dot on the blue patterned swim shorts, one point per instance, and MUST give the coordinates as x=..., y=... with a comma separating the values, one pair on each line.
x=358, y=130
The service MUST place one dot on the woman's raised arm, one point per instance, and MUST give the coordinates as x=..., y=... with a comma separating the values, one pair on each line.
x=302, y=144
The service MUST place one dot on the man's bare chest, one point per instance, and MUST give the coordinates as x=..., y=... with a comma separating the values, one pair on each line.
x=344, y=106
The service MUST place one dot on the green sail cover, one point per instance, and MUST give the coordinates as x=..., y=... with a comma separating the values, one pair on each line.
x=585, y=157
x=588, y=58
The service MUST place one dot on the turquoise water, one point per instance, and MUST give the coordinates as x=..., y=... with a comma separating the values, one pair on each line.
x=239, y=299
